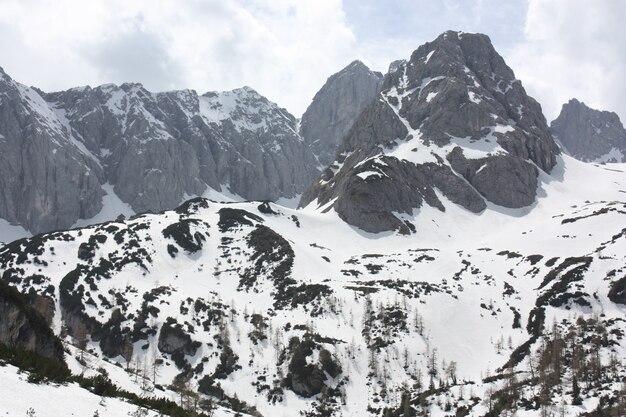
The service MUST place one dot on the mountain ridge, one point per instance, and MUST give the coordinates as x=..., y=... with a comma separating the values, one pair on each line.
x=590, y=135
x=453, y=118
x=449, y=261
x=154, y=148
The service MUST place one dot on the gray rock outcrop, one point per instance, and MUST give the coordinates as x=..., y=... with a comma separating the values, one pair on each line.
x=21, y=327
x=178, y=143
x=47, y=180
x=453, y=118
x=174, y=340
x=336, y=106
x=156, y=149
x=590, y=135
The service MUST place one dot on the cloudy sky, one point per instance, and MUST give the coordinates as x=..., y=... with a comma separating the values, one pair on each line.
x=286, y=49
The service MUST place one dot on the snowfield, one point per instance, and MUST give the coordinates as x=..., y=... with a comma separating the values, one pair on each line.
x=220, y=292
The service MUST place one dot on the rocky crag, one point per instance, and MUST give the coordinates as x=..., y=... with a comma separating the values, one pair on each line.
x=452, y=120
x=58, y=149
x=336, y=106
x=590, y=135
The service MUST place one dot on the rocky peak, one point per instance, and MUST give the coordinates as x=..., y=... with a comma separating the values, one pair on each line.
x=452, y=118
x=47, y=178
x=23, y=328
x=590, y=135
x=463, y=73
x=336, y=106
x=153, y=148
x=247, y=110
x=396, y=65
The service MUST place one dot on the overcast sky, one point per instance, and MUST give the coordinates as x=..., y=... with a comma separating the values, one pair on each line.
x=286, y=49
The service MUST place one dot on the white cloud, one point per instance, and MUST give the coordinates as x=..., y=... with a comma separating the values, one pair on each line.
x=287, y=48
x=574, y=48
x=284, y=48
x=388, y=31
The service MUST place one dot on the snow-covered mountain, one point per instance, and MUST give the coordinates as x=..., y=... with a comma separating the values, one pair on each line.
x=62, y=152
x=452, y=120
x=295, y=311
x=590, y=135
x=449, y=262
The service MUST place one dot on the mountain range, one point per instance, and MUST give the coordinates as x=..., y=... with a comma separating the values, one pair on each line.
x=89, y=154
x=450, y=256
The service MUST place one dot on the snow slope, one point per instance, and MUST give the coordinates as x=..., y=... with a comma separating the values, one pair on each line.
x=53, y=400
x=242, y=280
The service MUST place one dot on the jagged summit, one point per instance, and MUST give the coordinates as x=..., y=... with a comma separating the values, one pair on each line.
x=501, y=304
x=246, y=109
x=395, y=65
x=357, y=66
x=148, y=151
x=336, y=106
x=590, y=135
x=452, y=120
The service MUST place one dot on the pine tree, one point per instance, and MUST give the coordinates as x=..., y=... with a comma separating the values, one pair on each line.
x=155, y=364
x=127, y=351
x=432, y=364
x=576, y=400
x=451, y=372
x=81, y=339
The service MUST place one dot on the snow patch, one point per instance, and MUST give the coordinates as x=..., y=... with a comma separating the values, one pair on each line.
x=474, y=98
x=431, y=96
x=430, y=54
x=112, y=207
x=614, y=155
x=9, y=232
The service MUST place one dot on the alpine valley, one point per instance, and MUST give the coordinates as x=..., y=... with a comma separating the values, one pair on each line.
x=420, y=243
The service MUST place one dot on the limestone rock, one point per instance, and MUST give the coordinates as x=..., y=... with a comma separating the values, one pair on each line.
x=590, y=135
x=21, y=327
x=156, y=149
x=47, y=180
x=453, y=118
x=336, y=106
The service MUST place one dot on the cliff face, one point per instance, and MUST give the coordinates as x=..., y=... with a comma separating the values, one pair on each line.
x=58, y=150
x=336, y=106
x=590, y=135
x=453, y=119
x=47, y=179
x=23, y=328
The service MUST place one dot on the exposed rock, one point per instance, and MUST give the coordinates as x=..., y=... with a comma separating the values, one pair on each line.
x=452, y=118
x=504, y=180
x=617, y=293
x=179, y=143
x=308, y=379
x=23, y=328
x=176, y=342
x=47, y=180
x=156, y=149
x=590, y=135
x=172, y=340
x=336, y=106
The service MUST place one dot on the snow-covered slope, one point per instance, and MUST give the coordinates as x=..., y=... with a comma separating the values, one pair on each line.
x=296, y=311
x=21, y=397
